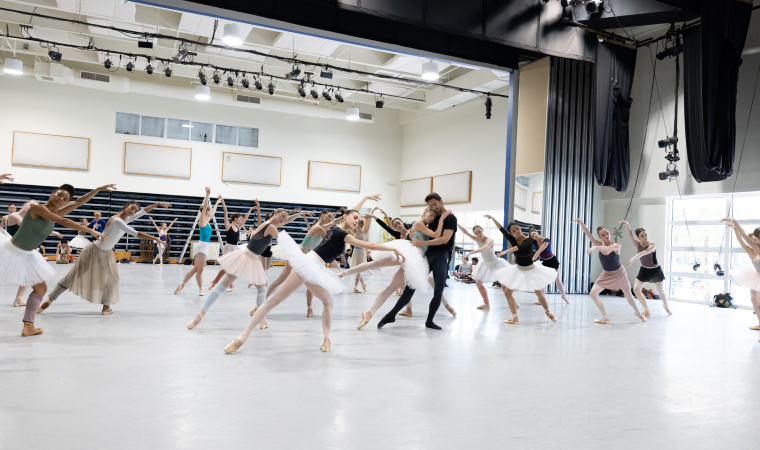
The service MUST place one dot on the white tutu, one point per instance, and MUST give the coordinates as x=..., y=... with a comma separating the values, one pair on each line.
x=4, y=236
x=277, y=253
x=246, y=265
x=415, y=267
x=79, y=242
x=531, y=278
x=485, y=271
x=22, y=267
x=747, y=276
x=309, y=266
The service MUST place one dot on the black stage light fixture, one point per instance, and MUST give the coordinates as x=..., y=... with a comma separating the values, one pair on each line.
x=245, y=82
x=168, y=72
x=147, y=43
x=55, y=55
x=326, y=95
x=181, y=55
x=676, y=50
x=718, y=270
x=671, y=173
x=216, y=78
x=230, y=81
x=379, y=102
x=202, y=77
x=667, y=142
x=326, y=74
x=488, y=107
x=314, y=93
x=301, y=90
x=592, y=6
x=149, y=69
x=107, y=64
x=271, y=88
x=130, y=66
x=258, y=84
x=295, y=73
x=339, y=97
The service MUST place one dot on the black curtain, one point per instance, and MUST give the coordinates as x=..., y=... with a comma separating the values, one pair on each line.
x=614, y=76
x=712, y=57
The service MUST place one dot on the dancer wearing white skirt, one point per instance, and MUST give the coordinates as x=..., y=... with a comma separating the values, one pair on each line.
x=21, y=265
x=95, y=276
x=524, y=276
x=485, y=272
x=246, y=264
x=80, y=242
x=163, y=236
x=748, y=276
x=232, y=235
x=542, y=246
x=309, y=269
x=204, y=228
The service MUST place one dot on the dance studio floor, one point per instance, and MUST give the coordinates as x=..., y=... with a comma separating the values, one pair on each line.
x=141, y=379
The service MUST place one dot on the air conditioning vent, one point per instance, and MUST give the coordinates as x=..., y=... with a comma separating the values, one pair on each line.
x=94, y=77
x=365, y=116
x=248, y=99
x=44, y=78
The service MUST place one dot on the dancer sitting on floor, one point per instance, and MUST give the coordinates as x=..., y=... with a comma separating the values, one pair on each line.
x=201, y=249
x=485, y=272
x=650, y=271
x=63, y=252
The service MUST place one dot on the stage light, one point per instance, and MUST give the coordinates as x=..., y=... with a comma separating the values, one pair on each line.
x=339, y=97
x=216, y=78
x=379, y=102
x=295, y=73
x=55, y=56
x=430, y=71
x=181, y=55
x=202, y=77
x=258, y=84
x=326, y=95
x=488, y=107
x=202, y=93
x=326, y=74
x=13, y=66
x=667, y=142
x=245, y=82
x=314, y=93
x=301, y=90
x=271, y=88
x=168, y=72
x=352, y=113
x=230, y=81
x=149, y=69
x=107, y=64
x=233, y=34
x=592, y=6
x=130, y=66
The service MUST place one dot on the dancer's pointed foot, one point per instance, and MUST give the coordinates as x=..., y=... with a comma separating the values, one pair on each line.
x=432, y=326
x=365, y=319
x=194, y=323
x=384, y=321
x=604, y=321
x=536, y=303
x=640, y=317
x=450, y=309
x=200, y=292
x=485, y=306
x=309, y=312
x=647, y=314
x=565, y=299
x=233, y=346
x=550, y=316
x=756, y=328
x=229, y=289
x=513, y=321
x=180, y=286
x=399, y=292
x=211, y=286
x=364, y=286
x=106, y=312
x=406, y=313
x=29, y=330
x=357, y=291
x=253, y=310
x=45, y=305
x=517, y=305
x=325, y=347
x=667, y=310
x=18, y=302
x=249, y=286
x=264, y=324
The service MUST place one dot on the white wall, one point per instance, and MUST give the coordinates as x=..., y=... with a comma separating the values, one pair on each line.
x=33, y=106
x=536, y=185
x=456, y=140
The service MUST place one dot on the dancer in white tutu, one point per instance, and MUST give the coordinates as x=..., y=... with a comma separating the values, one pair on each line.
x=163, y=236
x=246, y=264
x=95, y=276
x=398, y=231
x=80, y=242
x=650, y=270
x=232, y=228
x=21, y=265
x=542, y=246
x=748, y=276
x=204, y=228
x=523, y=276
x=485, y=272
x=309, y=269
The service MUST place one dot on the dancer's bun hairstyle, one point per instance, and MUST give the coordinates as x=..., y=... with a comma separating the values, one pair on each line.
x=757, y=232
x=235, y=216
x=638, y=231
x=598, y=229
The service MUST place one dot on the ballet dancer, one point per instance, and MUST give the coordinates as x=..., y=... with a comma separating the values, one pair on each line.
x=544, y=248
x=398, y=231
x=232, y=235
x=613, y=273
x=438, y=254
x=4, y=220
x=95, y=276
x=309, y=269
x=523, y=276
x=748, y=276
x=201, y=253
x=80, y=242
x=650, y=271
x=163, y=236
x=21, y=265
x=359, y=255
x=63, y=252
x=413, y=273
x=244, y=263
x=486, y=271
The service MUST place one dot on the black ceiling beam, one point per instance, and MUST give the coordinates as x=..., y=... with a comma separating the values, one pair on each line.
x=637, y=13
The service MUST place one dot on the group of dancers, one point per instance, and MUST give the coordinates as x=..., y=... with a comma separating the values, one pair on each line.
x=417, y=258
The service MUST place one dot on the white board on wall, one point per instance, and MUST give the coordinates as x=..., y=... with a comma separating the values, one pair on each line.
x=251, y=169
x=538, y=201
x=521, y=198
x=413, y=192
x=454, y=187
x=334, y=176
x=157, y=160
x=49, y=150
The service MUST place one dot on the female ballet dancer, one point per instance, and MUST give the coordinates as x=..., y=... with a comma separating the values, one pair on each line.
x=4, y=221
x=309, y=269
x=413, y=272
x=524, y=276
x=163, y=233
x=484, y=272
x=95, y=276
x=232, y=235
x=245, y=263
x=542, y=245
x=398, y=231
x=748, y=276
x=63, y=252
x=80, y=242
x=204, y=227
x=613, y=274
x=21, y=265
x=359, y=255
x=650, y=271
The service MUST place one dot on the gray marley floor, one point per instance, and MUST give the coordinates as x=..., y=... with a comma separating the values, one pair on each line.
x=140, y=380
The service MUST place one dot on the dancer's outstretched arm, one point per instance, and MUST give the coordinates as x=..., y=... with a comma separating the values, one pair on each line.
x=5, y=177
x=368, y=197
x=258, y=211
x=227, y=223
x=635, y=241
x=158, y=229
x=170, y=226
x=467, y=233
x=374, y=247
x=71, y=206
x=512, y=249
x=588, y=234
x=603, y=248
x=41, y=211
x=740, y=232
x=488, y=244
x=638, y=255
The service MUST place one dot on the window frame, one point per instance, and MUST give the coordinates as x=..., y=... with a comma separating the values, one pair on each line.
x=212, y=139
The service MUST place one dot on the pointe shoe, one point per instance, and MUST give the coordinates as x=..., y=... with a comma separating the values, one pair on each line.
x=550, y=316
x=565, y=299
x=18, y=302
x=264, y=324
x=640, y=317
x=253, y=310
x=517, y=305
x=309, y=312
x=107, y=312
x=325, y=348
x=513, y=321
x=485, y=306
x=229, y=289
x=756, y=328
x=357, y=291
x=365, y=320
x=451, y=310
x=194, y=323
x=211, y=286
x=667, y=310
x=603, y=321
x=406, y=313
x=249, y=286
x=232, y=348
x=364, y=286
x=536, y=303
x=180, y=286
x=647, y=314
x=45, y=305
x=200, y=293
x=399, y=292
x=29, y=330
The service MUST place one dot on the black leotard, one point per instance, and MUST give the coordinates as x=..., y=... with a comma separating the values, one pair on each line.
x=233, y=237
x=333, y=245
x=524, y=253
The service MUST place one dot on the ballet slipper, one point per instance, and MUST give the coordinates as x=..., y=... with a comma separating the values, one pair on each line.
x=647, y=314
x=232, y=347
x=667, y=310
x=229, y=289
x=249, y=286
x=513, y=321
x=639, y=316
x=309, y=312
x=253, y=310
x=357, y=291
x=399, y=292
x=450, y=309
x=264, y=324
x=364, y=286
x=604, y=321
x=45, y=305
x=197, y=320
x=200, y=292
x=517, y=305
x=180, y=286
x=550, y=316
x=211, y=286
x=365, y=319
x=536, y=303
x=18, y=302
x=107, y=312
x=29, y=330
x=756, y=328
x=325, y=348
x=485, y=306
x=565, y=299
x=407, y=312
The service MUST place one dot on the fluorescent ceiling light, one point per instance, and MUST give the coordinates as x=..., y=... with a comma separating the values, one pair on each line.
x=202, y=93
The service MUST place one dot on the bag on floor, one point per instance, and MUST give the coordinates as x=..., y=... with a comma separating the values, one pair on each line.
x=723, y=301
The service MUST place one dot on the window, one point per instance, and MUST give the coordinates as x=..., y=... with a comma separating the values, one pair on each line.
x=248, y=137
x=152, y=126
x=469, y=220
x=201, y=132
x=127, y=123
x=185, y=130
x=178, y=129
x=226, y=135
x=695, y=235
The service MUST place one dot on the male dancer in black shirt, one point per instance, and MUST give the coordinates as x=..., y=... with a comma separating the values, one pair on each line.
x=438, y=253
